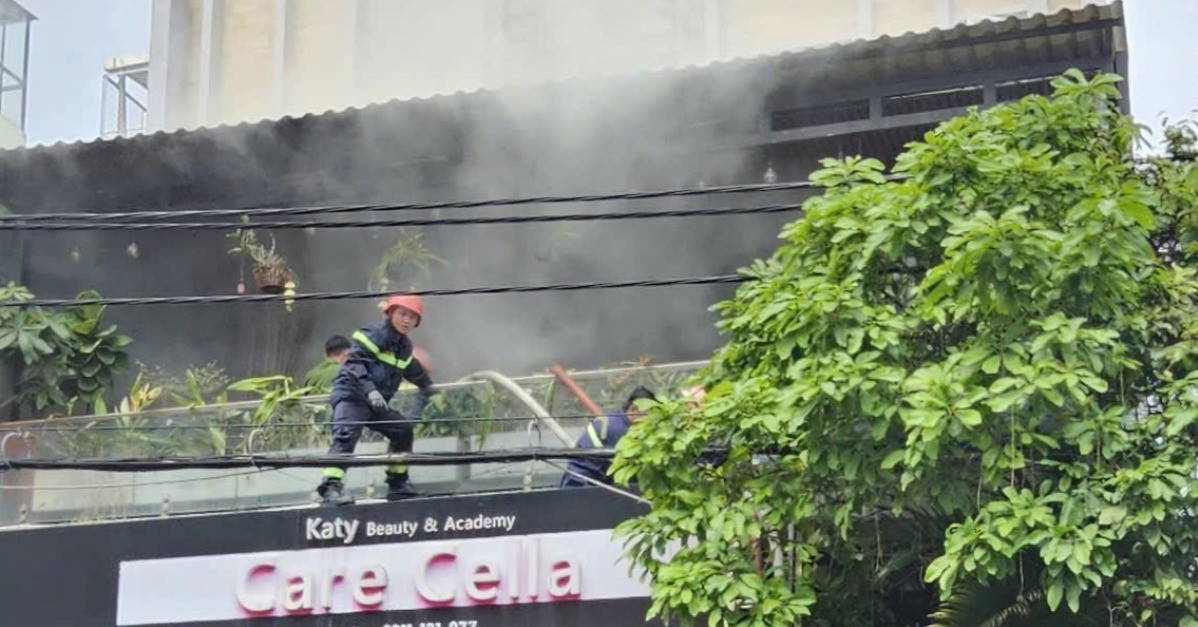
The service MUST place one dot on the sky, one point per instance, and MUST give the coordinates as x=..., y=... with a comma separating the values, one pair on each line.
x=1163, y=58
x=73, y=38
x=69, y=44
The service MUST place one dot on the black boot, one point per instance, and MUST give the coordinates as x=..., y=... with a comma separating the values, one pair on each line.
x=332, y=492
x=399, y=487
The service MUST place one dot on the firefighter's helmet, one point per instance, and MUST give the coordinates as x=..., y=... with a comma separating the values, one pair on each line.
x=412, y=303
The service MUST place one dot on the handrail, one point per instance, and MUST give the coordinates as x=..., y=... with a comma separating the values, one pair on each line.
x=4, y=446
x=187, y=409
x=66, y=421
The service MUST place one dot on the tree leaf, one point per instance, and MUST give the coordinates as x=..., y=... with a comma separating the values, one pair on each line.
x=892, y=459
x=1056, y=591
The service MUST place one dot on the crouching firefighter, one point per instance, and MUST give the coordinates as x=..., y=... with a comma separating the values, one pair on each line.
x=604, y=432
x=379, y=359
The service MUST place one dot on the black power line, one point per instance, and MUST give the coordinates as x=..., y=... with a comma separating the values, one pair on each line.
x=231, y=226
x=244, y=298
x=68, y=426
x=448, y=458
x=502, y=202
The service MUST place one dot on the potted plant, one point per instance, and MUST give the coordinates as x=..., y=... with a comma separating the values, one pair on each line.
x=409, y=258
x=271, y=273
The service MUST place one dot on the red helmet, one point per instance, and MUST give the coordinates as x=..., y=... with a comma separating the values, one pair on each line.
x=407, y=301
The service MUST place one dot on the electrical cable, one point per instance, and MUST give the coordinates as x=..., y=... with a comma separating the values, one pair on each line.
x=230, y=475
x=470, y=204
x=140, y=483
x=232, y=226
x=448, y=458
x=239, y=298
x=90, y=426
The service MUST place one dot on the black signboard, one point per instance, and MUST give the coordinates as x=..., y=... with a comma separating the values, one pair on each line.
x=542, y=558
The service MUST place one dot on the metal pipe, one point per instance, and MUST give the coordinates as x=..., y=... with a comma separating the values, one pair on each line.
x=575, y=389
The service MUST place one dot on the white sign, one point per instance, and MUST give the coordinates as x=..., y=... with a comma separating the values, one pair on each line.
x=539, y=568
x=321, y=530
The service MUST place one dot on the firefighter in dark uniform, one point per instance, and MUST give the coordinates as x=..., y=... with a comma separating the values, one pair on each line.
x=379, y=360
x=603, y=432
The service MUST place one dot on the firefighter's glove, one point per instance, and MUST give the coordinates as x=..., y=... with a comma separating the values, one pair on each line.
x=377, y=401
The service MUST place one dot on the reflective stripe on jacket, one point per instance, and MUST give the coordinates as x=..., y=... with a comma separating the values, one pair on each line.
x=380, y=358
x=603, y=432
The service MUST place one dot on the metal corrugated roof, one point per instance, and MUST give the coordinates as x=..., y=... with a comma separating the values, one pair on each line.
x=926, y=53
x=366, y=152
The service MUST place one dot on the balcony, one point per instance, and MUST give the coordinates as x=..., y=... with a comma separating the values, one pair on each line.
x=484, y=412
x=15, y=23
x=125, y=94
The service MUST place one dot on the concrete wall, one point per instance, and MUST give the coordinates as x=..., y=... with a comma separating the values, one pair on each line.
x=318, y=52
x=896, y=18
x=268, y=58
x=768, y=26
x=247, y=57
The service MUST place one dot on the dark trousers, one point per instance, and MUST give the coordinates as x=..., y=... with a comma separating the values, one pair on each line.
x=570, y=481
x=350, y=417
x=591, y=469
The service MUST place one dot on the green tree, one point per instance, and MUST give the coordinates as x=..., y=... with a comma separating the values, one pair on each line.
x=68, y=357
x=967, y=389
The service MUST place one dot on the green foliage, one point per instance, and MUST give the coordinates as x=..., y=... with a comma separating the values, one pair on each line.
x=257, y=252
x=409, y=257
x=196, y=387
x=982, y=372
x=281, y=417
x=1181, y=140
x=68, y=356
x=141, y=395
x=276, y=394
x=320, y=377
x=465, y=413
x=1001, y=603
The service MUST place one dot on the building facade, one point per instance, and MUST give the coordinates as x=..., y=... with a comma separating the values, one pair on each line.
x=722, y=123
x=221, y=61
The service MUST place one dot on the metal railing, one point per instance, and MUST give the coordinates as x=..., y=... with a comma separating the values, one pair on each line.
x=484, y=411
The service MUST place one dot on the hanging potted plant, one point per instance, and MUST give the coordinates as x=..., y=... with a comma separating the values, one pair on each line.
x=409, y=259
x=270, y=270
